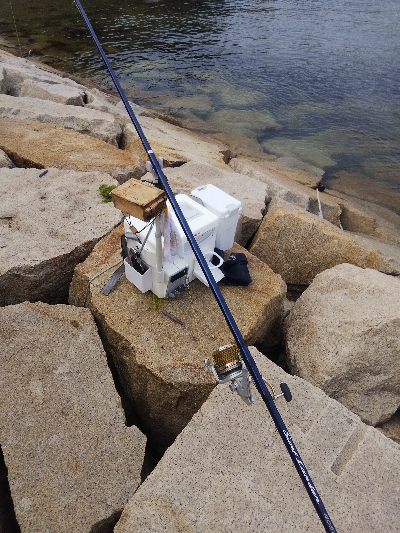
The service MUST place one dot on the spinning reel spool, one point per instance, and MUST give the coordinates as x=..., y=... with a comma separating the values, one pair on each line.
x=227, y=365
x=227, y=362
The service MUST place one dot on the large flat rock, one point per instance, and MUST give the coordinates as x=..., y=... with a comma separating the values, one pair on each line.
x=20, y=77
x=159, y=361
x=291, y=185
x=33, y=144
x=72, y=462
x=230, y=471
x=23, y=82
x=172, y=142
x=388, y=249
x=299, y=245
x=98, y=124
x=343, y=336
x=48, y=225
x=363, y=216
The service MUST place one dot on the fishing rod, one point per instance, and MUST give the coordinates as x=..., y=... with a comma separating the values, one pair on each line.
x=246, y=356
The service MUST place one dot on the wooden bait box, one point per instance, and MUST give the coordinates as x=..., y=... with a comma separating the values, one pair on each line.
x=139, y=199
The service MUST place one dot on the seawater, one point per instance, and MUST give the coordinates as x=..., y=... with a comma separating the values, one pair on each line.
x=316, y=81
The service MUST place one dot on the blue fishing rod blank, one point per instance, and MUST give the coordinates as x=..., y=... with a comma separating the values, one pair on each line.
x=245, y=353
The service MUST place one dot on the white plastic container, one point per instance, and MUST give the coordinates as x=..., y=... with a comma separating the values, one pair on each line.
x=214, y=269
x=203, y=224
x=143, y=282
x=225, y=207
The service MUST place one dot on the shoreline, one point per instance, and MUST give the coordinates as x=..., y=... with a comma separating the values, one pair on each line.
x=357, y=193
x=297, y=171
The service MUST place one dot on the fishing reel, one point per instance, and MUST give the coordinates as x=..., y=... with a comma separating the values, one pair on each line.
x=227, y=365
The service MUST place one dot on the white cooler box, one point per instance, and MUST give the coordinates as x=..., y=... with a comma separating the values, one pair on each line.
x=225, y=207
x=203, y=224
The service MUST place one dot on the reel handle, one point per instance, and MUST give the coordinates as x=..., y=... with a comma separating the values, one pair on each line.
x=285, y=392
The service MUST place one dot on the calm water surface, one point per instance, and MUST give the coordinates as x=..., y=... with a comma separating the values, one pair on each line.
x=314, y=80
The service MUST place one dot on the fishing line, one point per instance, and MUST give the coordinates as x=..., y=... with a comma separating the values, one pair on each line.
x=16, y=31
x=247, y=358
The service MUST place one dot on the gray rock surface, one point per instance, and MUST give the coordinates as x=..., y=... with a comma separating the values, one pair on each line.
x=174, y=143
x=21, y=77
x=43, y=88
x=48, y=225
x=249, y=191
x=391, y=428
x=388, y=249
x=95, y=123
x=5, y=161
x=343, y=336
x=361, y=216
x=293, y=162
x=60, y=93
x=298, y=245
x=160, y=363
x=230, y=471
x=96, y=99
x=72, y=462
x=33, y=144
x=281, y=183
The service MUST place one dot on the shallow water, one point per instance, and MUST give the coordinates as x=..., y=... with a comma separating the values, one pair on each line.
x=316, y=80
